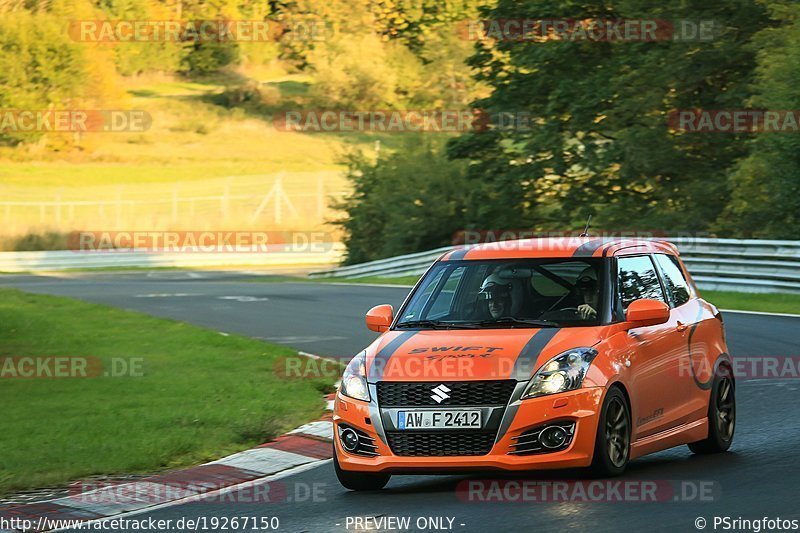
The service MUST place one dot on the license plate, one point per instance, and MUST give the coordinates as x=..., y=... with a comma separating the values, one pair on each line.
x=439, y=419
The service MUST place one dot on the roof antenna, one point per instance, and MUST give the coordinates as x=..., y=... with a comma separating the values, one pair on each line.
x=586, y=229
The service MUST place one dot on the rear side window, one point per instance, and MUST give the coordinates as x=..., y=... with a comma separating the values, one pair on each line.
x=638, y=280
x=676, y=284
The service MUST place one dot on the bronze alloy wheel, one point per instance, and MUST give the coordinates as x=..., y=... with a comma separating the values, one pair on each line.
x=617, y=432
x=721, y=416
x=726, y=410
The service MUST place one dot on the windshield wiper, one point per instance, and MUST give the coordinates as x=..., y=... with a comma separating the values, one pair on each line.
x=510, y=320
x=434, y=324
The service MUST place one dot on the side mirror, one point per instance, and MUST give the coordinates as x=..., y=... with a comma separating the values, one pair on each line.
x=646, y=313
x=379, y=318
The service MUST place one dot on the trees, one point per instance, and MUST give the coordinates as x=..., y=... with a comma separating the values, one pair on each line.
x=766, y=183
x=411, y=200
x=600, y=143
x=41, y=68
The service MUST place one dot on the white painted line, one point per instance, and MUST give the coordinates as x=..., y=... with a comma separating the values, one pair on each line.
x=324, y=358
x=164, y=295
x=243, y=298
x=210, y=494
x=300, y=340
x=265, y=461
x=759, y=313
x=321, y=428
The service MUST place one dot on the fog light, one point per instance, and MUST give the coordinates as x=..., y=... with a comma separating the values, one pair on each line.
x=349, y=440
x=553, y=437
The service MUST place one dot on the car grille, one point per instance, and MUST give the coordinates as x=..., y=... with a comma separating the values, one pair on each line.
x=429, y=444
x=473, y=393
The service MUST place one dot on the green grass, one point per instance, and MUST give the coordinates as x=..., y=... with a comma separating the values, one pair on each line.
x=765, y=302
x=402, y=280
x=200, y=395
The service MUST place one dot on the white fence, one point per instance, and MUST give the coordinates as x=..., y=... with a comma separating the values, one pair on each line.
x=723, y=264
x=280, y=200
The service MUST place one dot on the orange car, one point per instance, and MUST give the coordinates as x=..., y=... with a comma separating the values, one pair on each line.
x=535, y=354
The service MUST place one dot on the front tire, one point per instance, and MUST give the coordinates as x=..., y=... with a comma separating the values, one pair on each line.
x=721, y=417
x=612, y=446
x=359, y=480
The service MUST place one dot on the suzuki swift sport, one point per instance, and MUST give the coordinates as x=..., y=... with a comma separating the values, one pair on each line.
x=537, y=354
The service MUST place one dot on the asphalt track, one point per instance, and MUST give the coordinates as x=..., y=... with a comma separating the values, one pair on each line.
x=758, y=478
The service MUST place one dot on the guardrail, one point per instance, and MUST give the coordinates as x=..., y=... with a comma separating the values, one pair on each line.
x=65, y=260
x=741, y=265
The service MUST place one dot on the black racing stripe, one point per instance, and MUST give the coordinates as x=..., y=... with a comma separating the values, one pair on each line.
x=524, y=366
x=511, y=411
x=700, y=385
x=608, y=248
x=588, y=249
x=379, y=362
x=459, y=254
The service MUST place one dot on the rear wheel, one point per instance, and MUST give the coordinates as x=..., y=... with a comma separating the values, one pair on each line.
x=721, y=417
x=359, y=480
x=612, y=446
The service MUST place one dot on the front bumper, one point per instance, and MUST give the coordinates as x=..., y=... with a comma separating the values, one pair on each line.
x=581, y=406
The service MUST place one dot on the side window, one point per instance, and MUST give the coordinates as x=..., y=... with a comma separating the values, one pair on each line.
x=638, y=279
x=422, y=297
x=673, y=278
x=441, y=306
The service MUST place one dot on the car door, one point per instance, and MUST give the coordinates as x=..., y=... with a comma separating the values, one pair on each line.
x=692, y=323
x=656, y=403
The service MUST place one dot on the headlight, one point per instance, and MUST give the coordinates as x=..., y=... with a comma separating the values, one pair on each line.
x=354, y=379
x=562, y=373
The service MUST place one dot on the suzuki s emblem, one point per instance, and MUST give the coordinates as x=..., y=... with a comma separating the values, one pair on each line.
x=440, y=394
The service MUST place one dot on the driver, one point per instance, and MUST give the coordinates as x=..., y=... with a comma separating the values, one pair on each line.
x=497, y=293
x=588, y=293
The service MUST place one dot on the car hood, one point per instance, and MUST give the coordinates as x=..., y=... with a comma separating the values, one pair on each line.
x=470, y=355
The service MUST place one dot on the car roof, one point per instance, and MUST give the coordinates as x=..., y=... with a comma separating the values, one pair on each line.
x=560, y=247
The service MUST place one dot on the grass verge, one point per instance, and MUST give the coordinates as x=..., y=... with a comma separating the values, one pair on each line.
x=763, y=302
x=401, y=280
x=195, y=395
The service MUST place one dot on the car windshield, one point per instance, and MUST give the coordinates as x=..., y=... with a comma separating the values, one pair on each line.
x=515, y=293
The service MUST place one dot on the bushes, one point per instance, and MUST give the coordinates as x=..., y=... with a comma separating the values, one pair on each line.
x=40, y=66
x=207, y=57
x=356, y=73
x=35, y=242
x=411, y=200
